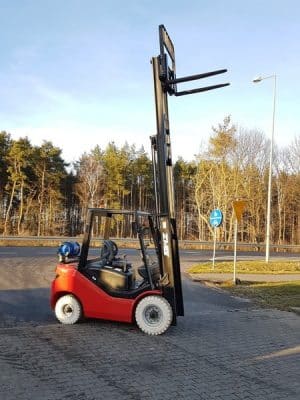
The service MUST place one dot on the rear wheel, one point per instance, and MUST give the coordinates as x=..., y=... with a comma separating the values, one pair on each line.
x=153, y=315
x=68, y=309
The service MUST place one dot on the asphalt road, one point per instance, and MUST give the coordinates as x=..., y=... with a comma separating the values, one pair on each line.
x=224, y=347
x=187, y=257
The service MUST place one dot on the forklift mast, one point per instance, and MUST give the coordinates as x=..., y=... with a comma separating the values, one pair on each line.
x=165, y=83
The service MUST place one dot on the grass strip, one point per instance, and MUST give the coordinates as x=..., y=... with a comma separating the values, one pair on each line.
x=248, y=267
x=281, y=295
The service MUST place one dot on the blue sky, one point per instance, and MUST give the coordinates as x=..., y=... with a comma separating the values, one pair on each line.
x=78, y=72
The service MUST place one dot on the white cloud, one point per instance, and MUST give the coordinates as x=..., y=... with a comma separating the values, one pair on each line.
x=74, y=140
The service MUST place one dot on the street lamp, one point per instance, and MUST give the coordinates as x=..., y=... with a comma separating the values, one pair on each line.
x=257, y=80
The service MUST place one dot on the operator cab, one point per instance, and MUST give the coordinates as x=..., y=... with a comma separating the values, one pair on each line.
x=118, y=274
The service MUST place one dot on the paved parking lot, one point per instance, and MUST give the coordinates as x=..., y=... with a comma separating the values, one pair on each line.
x=224, y=348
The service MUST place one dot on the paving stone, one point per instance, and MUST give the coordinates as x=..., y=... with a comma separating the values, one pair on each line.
x=222, y=349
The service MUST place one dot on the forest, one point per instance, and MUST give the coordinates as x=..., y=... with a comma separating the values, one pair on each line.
x=40, y=194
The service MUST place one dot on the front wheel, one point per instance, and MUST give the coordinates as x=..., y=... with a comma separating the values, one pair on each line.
x=153, y=315
x=68, y=309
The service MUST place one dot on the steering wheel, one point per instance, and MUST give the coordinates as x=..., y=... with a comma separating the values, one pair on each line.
x=109, y=250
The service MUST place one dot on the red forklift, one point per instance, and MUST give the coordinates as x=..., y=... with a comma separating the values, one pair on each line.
x=107, y=286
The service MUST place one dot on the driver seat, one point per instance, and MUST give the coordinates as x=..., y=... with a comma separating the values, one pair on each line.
x=113, y=272
x=108, y=255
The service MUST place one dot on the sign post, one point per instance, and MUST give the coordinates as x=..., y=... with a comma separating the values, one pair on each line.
x=234, y=252
x=238, y=207
x=214, y=249
x=215, y=219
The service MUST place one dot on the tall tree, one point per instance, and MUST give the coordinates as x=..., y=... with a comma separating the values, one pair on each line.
x=50, y=170
x=5, y=144
x=90, y=179
x=184, y=173
x=115, y=162
x=18, y=158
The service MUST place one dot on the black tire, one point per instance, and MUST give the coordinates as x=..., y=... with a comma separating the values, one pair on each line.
x=153, y=315
x=68, y=310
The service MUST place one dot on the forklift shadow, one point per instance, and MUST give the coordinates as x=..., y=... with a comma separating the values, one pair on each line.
x=25, y=305
x=109, y=326
x=19, y=306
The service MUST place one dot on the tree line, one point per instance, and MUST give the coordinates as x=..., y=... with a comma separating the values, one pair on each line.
x=40, y=194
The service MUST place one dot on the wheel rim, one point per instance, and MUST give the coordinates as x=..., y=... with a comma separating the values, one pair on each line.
x=67, y=310
x=152, y=315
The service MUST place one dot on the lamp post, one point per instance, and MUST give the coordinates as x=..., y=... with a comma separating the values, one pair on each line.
x=256, y=80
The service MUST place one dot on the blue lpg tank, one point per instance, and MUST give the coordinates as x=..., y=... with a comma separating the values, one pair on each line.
x=68, y=250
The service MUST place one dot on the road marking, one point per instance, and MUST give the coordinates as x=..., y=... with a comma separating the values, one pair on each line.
x=7, y=253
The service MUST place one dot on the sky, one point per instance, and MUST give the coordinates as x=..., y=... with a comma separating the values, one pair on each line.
x=78, y=72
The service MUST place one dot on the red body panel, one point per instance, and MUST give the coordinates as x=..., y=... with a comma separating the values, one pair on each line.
x=96, y=302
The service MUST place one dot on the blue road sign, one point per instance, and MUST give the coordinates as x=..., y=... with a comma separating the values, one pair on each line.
x=216, y=218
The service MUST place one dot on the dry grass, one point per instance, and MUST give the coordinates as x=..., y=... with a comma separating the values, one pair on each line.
x=249, y=267
x=281, y=295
